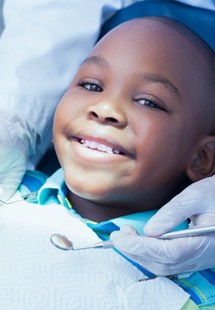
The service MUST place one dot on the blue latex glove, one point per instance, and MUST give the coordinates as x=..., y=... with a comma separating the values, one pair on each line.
x=168, y=257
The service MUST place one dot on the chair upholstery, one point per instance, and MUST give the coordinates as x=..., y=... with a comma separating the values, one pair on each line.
x=201, y=21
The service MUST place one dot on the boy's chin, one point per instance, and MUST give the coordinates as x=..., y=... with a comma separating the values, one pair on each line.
x=85, y=193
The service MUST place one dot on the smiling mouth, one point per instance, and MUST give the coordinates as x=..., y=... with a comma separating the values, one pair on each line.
x=100, y=147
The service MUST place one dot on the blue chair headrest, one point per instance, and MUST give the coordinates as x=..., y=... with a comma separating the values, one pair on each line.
x=201, y=21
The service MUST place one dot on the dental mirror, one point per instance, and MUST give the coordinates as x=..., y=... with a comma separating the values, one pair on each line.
x=63, y=243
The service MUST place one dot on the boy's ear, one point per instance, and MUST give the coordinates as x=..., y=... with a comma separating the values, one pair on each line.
x=202, y=164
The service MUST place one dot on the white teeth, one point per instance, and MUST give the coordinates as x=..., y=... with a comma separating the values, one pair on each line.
x=99, y=146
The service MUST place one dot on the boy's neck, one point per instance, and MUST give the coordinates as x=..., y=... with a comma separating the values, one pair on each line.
x=95, y=211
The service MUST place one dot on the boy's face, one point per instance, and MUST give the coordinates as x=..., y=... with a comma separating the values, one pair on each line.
x=126, y=128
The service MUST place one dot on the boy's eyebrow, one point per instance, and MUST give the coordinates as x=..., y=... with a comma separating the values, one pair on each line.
x=150, y=77
x=98, y=60
x=154, y=78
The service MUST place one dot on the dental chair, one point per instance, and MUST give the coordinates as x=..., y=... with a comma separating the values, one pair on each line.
x=201, y=21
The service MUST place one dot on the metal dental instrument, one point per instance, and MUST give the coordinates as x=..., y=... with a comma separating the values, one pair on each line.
x=189, y=232
x=63, y=243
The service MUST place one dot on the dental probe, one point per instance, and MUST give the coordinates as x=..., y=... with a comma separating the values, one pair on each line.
x=189, y=232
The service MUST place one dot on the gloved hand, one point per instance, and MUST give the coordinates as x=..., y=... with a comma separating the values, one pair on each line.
x=16, y=144
x=169, y=257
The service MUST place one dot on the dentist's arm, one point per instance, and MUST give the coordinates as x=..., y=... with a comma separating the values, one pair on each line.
x=169, y=257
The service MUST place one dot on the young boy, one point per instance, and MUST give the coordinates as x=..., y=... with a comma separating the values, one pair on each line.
x=136, y=125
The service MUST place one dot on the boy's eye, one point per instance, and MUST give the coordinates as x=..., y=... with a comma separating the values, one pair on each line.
x=150, y=104
x=90, y=86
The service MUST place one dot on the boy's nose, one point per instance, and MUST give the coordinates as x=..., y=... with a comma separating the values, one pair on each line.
x=108, y=112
